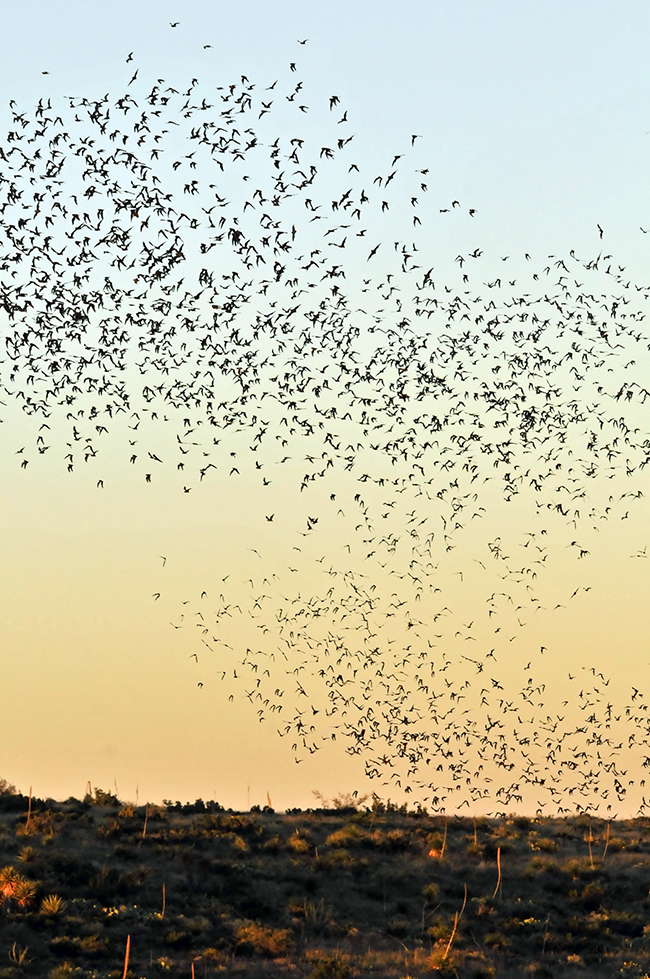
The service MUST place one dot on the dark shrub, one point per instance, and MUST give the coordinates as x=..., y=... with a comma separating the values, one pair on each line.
x=592, y=897
x=331, y=968
x=179, y=939
x=64, y=945
x=255, y=939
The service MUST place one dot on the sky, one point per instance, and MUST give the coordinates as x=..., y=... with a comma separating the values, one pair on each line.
x=535, y=116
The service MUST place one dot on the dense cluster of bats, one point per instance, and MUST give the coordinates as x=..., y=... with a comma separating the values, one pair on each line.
x=189, y=277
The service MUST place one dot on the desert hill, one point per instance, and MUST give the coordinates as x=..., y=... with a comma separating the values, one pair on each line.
x=378, y=890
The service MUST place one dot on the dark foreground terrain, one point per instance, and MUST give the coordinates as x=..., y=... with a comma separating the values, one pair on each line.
x=198, y=891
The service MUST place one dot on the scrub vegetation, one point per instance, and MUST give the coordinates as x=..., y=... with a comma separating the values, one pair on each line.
x=99, y=888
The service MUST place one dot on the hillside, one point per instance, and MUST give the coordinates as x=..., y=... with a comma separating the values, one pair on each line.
x=196, y=890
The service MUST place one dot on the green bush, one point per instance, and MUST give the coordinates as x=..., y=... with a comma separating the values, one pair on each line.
x=398, y=926
x=67, y=971
x=431, y=892
x=101, y=798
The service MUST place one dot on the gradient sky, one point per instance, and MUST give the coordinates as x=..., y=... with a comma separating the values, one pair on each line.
x=536, y=114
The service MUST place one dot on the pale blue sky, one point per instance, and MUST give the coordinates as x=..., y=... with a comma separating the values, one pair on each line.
x=537, y=111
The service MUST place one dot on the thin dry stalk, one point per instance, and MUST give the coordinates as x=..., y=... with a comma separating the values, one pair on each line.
x=475, y=839
x=590, y=841
x=146, y=816
x=452, y=937
x=162, y=913
x=29, y=809
x=456, y=920
x=606, y=842
x=548, y=918
x=444, y=838
x=499, y=870
x=126, y=956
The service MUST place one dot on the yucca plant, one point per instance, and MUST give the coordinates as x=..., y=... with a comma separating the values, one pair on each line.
x=9, y=881
x=18, y=955
x=25, y=893
x=28, y=854
x=52, y=905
